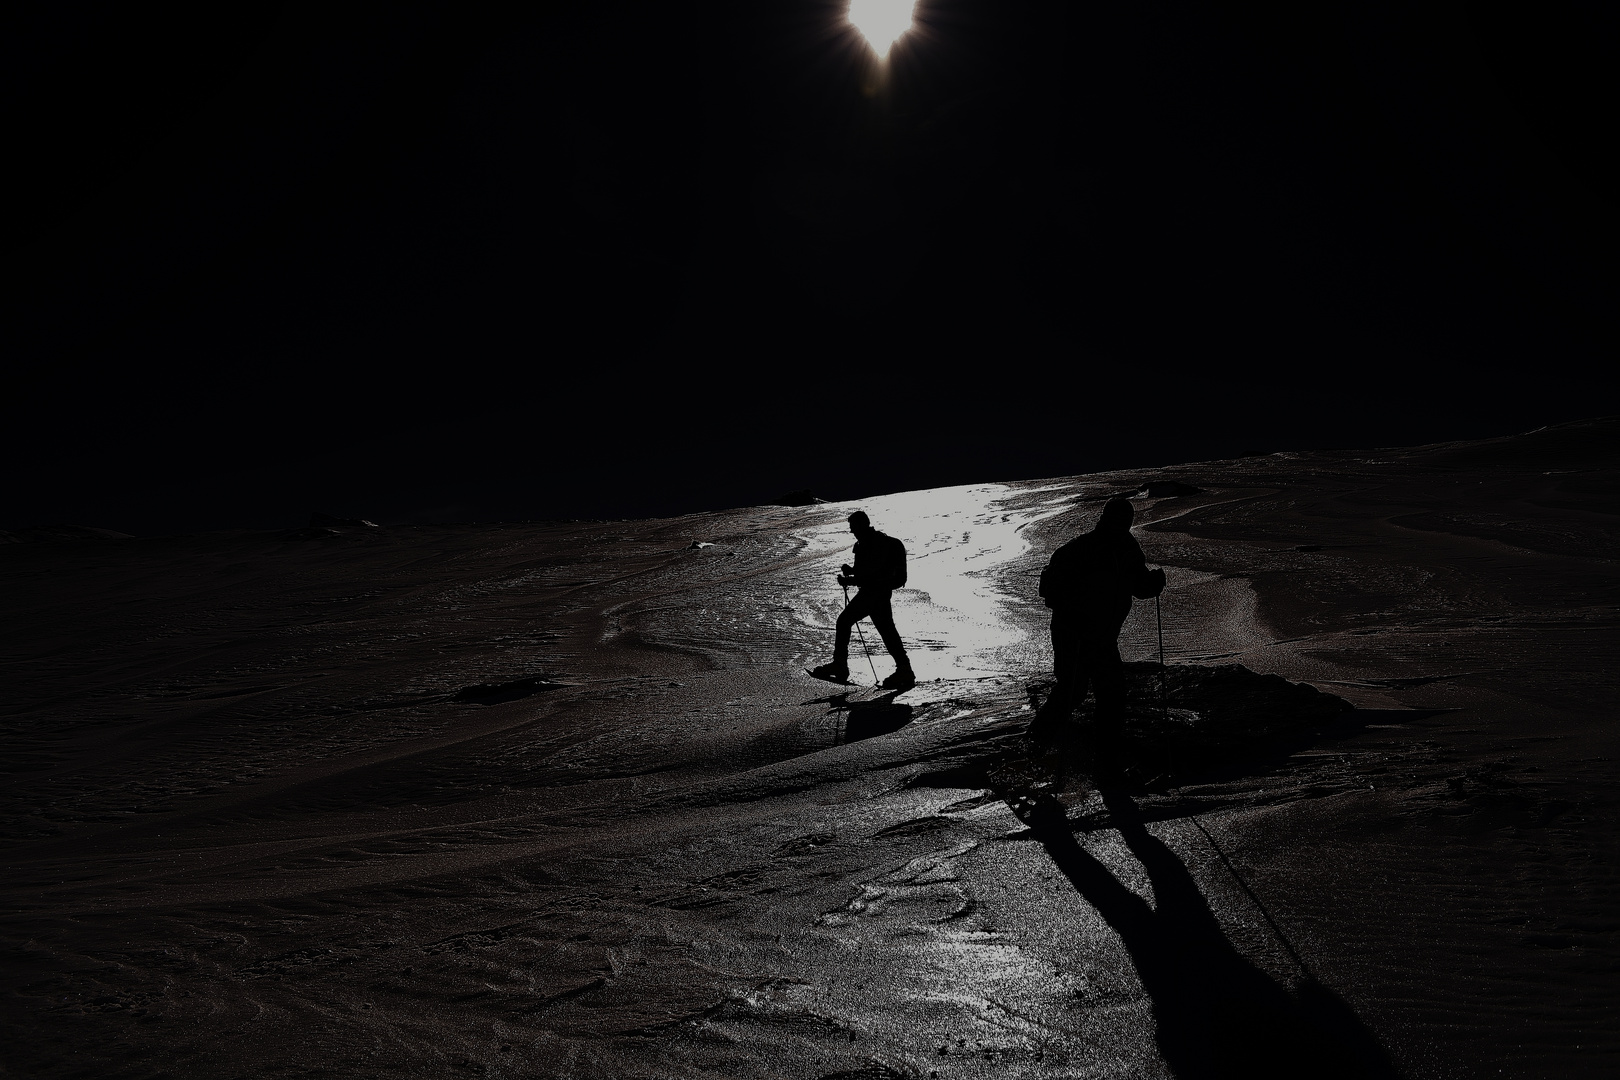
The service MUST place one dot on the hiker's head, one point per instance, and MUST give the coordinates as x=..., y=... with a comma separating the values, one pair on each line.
x=1116, y=517
x=859, y=523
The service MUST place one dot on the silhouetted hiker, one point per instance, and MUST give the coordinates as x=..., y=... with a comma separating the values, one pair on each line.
x=1089, y=585
x=880, y=568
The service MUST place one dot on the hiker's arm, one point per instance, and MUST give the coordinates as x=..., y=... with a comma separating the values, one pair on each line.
x=1149, y=583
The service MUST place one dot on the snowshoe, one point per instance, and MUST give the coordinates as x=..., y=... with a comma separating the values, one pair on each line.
x=900, y=681
x=834, y=672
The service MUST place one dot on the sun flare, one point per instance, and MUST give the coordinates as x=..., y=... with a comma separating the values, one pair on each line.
x=882, y=22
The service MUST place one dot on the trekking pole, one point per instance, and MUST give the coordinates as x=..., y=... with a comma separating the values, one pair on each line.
x=1164, y=688
x=862, y=633
x=1164, y=685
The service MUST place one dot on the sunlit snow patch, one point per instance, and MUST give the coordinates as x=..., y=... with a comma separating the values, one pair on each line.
x=951, y=612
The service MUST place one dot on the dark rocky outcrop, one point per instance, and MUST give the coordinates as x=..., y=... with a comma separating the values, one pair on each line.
x=802, y=497
x=1168, y=489
x=319, y=520
x=1152, y=489
x=1200, y=717
x=497, y=693
x=1223, y=706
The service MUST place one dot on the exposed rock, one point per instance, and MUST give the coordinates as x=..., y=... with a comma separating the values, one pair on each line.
x=802, y=497
x=1152, y=489
x=1168, y=489
x=319, y=520
x=1201, y=716
x=1224, y=705
x=496, y=693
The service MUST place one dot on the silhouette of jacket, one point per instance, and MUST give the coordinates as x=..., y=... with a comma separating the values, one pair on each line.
x=880, y=562
x=1089, y=585
x=1093, y=577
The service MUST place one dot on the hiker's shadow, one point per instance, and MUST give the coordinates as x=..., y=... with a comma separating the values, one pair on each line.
x=866, y=719
x=1217, y=1014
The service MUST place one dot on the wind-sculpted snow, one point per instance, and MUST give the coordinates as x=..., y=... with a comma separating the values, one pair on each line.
x=558, y=800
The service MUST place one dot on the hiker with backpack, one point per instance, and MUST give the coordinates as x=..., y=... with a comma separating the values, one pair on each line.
x=1089, y=585
x=880, y=568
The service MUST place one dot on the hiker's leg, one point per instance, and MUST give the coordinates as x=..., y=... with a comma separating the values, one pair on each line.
x=1069, y=679
x=856, y=610
x=883, y=619
x=1108, y=676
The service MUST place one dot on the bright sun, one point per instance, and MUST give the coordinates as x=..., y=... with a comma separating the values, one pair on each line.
x=881, y=22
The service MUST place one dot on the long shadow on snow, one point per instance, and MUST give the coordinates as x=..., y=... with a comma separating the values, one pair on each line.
x=1217, y=1014
x=867, y=719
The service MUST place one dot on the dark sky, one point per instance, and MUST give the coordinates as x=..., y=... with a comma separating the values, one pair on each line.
x=451, y=261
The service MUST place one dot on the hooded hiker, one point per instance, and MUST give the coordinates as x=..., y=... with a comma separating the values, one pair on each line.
x=880, y=568
x=1089, y=585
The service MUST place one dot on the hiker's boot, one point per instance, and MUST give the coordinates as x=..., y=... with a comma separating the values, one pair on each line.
x=903, y=679
x=836, y=671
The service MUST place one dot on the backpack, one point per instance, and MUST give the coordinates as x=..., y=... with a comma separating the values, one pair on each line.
x=1075, y=571
x=1050, y=584
x=894, y=561
x=1093, y=568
